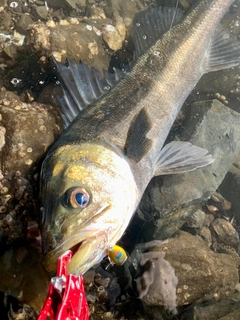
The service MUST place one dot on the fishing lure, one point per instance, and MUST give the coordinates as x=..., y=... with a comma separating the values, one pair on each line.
x=117, y=254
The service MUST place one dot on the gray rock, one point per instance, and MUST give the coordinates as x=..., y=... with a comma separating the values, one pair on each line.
x=65, y=4
x=197, y=220
x=225, y=232
x=235, y=315
x=23, y=23
x=42, y=12
x=205, y=234
x=126, y=9
x=170, y=200
x=76, y=3
x=228, y=309
x=58, y=4
x=5, y=19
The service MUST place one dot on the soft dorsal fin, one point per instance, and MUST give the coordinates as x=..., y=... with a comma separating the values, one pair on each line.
x=149, y=26
x=139, y=144
x=82, y=86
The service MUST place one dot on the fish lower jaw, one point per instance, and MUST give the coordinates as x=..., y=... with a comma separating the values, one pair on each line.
x=88, y=250
x=86, y=254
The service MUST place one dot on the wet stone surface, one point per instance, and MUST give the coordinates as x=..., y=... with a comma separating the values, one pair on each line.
x=29, y=129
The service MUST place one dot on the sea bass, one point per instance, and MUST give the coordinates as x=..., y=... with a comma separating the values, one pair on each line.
x=94, y=176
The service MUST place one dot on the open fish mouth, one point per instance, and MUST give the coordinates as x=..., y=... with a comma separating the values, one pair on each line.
x=89, y=245
x=87, y=251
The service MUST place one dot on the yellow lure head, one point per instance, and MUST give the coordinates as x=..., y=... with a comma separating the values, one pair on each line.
x=117, y=254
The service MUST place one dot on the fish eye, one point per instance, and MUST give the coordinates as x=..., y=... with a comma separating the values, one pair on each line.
x=76, y=198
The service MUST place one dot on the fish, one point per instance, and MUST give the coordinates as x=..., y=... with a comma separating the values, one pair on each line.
x=116, y=125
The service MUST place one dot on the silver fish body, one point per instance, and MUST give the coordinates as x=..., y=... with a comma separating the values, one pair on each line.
x=94, y=176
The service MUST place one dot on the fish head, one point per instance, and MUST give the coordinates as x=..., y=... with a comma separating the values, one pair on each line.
x=89, y=195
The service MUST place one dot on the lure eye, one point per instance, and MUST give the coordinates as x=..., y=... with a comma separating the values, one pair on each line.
x=76, y=198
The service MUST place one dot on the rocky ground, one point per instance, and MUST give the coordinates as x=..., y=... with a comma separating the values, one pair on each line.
x=195, y=274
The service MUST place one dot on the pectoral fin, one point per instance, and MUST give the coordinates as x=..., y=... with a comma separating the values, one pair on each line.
x=180, y=156
x=139, y=144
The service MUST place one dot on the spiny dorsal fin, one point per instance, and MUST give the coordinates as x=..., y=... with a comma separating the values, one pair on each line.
x=225, y=50
x=139, y=144
x=82, y=86
x=149, y=25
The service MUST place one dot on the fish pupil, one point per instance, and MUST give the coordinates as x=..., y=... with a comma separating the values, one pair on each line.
x=81, y=199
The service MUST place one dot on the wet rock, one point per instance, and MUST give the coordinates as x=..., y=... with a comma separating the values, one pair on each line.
x=103, y=289
x=195, y=266
x=11, y=51
x=15, y=6
x=170, y=200
x=5, y=19
x=2, y=137
x=42, y=12
x=235, y=315
x=225, y=232
x=26, y=313
x=97, y=13
x=58, y=4
x=197, y=220
x=66, y=4
x=23, y=23
x=114, y=35
x=228, y=309
x=230, y=188
x=76, y=3
x=81, y=41
x=126, y=9
x=23, y=276
x=205, y=234
x=39, y=38
x=30, y=130
x=219, y=207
